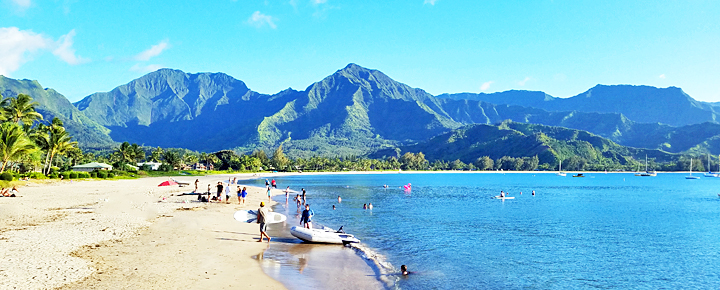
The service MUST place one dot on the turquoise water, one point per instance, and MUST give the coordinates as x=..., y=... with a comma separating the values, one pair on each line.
x=612, y=231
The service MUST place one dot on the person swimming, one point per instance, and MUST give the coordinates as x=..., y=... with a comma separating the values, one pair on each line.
x=404, y=270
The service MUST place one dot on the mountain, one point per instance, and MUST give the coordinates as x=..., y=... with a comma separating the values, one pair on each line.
x=349, y=112
x=642, y=104
x=533, y=99
x=356, y=110
x=53, y=104
x=514, y=139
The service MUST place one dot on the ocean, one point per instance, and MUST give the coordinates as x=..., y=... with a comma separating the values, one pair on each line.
x=611, y=231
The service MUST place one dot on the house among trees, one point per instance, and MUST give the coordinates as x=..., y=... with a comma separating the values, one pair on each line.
x=153, y=165
x=92, y=166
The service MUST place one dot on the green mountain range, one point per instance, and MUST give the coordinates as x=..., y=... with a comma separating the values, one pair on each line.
x=52, y=104
x=513, y=139
x=357, y=111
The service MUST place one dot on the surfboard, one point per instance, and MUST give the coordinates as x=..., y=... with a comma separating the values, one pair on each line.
x=250, y=216
x=507, y=197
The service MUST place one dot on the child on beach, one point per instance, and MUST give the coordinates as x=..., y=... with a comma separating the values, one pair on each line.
x=268, y=192
x=306, y=218
x=243, y=194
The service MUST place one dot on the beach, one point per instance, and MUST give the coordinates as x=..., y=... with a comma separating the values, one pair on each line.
x=129, y=234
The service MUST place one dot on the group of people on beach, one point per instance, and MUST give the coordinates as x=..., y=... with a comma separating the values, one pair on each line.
x=222, y=188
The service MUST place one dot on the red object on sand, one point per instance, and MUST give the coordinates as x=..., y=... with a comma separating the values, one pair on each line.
x=168, y=183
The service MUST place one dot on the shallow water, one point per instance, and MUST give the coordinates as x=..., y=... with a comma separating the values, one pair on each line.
x=613, y=231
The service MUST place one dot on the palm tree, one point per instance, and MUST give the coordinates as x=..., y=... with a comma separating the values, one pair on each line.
x=137, y=153
x=123, y=154
x=156, y=154
x=213, y=159
x=13, y=143
x=56, y=141
x=191, y=159
x=173, y=158
x=20, y=109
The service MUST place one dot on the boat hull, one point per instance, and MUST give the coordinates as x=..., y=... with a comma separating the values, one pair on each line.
x=322, y=236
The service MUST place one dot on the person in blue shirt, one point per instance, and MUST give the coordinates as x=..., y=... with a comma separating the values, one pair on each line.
x=306, y=218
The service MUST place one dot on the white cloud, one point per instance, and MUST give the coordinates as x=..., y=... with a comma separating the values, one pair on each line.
x=258, y=20
x=522, y=82
x=293, y=3
x=486, y=85
x=662, y=76
x=317, y=2
x=66, y=52
x=146, y=68
x=22, y=3
x=17, y=47
x=153, y=51
x=431, y=2
x=15, y=44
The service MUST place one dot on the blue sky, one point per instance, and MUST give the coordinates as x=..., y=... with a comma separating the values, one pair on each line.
x=563, y=48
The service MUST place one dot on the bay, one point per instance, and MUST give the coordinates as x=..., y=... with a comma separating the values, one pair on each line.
x=613, y=231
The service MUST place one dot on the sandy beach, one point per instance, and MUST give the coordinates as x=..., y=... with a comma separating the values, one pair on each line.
x=128, y=234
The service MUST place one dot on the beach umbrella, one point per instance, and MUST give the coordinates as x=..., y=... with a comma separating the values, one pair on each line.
x=168, y=183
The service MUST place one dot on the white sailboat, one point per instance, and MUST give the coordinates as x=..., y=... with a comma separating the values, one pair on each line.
x=691, y=176
x=560, y=172
x=710, y=173
x=648, y=173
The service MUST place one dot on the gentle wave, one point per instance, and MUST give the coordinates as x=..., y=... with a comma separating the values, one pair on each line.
x=385, y=271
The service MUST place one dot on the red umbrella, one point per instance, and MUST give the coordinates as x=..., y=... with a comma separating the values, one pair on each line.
x=168, y=183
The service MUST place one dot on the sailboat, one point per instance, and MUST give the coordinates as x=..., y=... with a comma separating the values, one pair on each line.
x=648, y=173
x=560, y=172
x=710, y=173
x=691, y=176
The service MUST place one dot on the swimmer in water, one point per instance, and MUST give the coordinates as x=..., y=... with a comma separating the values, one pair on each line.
x=333, y=207
x=404, y=270
x=533, y=193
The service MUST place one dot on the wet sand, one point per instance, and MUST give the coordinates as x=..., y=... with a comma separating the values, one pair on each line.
x=301, y=265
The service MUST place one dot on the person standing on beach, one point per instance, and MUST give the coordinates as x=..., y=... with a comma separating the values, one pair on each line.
x=196, y=184
x=306, y=218
x=303, y=195
x=244, y=195
x=274, y=183
x=227, y=193
x=262, y=213
x=239, y=194
x=287, y=194
x=268, y=192
x=219, y=191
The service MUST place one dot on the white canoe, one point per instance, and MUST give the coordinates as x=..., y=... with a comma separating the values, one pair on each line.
x=500, y=197
x=323, y=235
x=250, y=216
